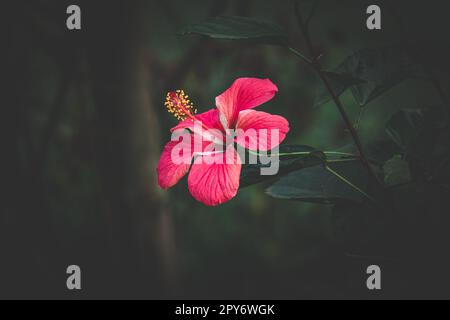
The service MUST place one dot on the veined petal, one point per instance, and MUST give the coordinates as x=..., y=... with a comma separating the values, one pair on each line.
x=175, y=161
x=257, y=130
x=209, y=119
x=207, y=125
x=217, y=182
x=244, y=93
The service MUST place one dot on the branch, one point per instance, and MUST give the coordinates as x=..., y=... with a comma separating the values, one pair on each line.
x=318, y=68
x=312, y=12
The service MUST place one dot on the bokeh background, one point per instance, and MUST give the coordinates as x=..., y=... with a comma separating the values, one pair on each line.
x=84, y=125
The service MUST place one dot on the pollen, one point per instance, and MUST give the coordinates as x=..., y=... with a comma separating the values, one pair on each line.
x=178, y=104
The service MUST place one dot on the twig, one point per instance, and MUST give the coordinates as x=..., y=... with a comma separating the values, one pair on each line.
x=317, y=67
x=312, y=12
x=301, y=56
x=360, y=115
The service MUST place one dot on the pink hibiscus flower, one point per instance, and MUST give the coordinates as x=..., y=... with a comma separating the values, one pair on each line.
x=217, y=182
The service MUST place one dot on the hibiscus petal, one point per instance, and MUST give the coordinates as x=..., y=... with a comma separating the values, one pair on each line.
x=244, y=93
x=215, y=183
x=207, y=125
x=209, y=119
x=257, y=130
x=175, y=161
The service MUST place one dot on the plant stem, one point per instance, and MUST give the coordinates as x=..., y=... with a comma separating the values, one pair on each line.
x=301, y=55
x=309, y=152
x=347, y=157
x=317, y=67
x=338, y=153
x=342, y=160
x=360, y=116
x=312, y=12
x=300, y=153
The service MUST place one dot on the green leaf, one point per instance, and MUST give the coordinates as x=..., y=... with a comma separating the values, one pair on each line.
x=239, y=28
x=423, y=135
x=377, y=69
x=318, y=185
x=251, y=173
x=396, y=171
x=405, y=126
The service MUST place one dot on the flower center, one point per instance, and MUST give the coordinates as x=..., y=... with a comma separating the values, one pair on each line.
x=178, y=104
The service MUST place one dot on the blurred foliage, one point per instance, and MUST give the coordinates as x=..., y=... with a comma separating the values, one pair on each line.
x=85, y=124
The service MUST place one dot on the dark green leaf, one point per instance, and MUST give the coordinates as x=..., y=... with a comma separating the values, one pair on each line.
x=423, y=135
x=251, y=173
x=239, y=28
x=405, y=126
x=396, y=171
x=316, y=184
x=378, y=69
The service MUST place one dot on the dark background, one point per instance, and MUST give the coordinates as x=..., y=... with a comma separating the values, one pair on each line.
x=83, y=125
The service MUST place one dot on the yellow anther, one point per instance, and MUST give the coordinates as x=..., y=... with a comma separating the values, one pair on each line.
x=178, y=105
